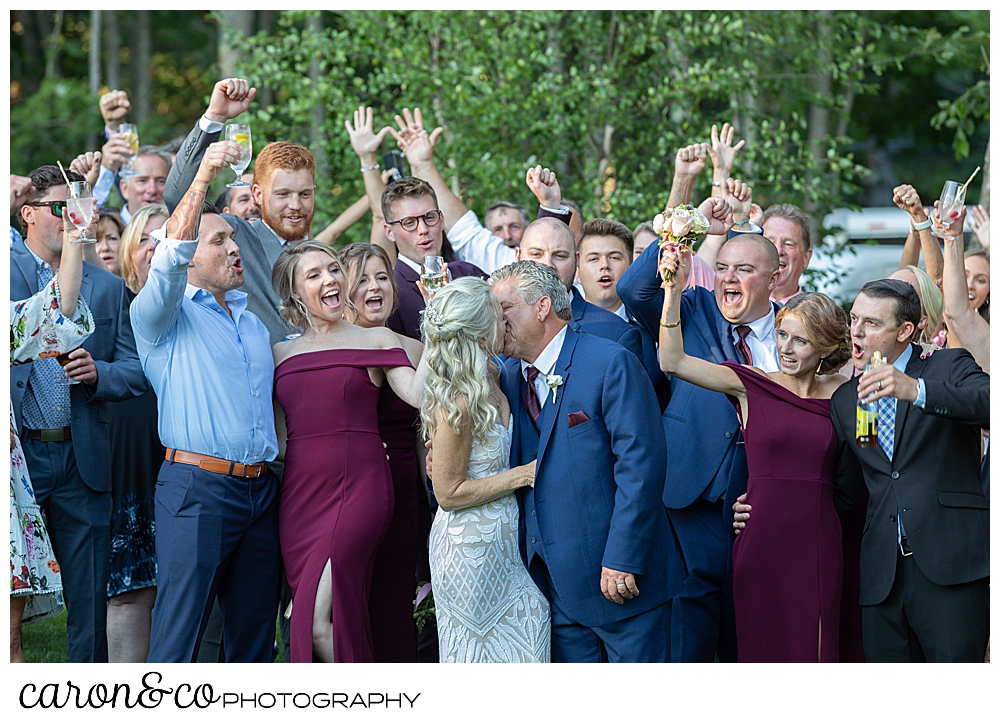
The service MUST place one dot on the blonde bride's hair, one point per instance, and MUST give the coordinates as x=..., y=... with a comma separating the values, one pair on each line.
x=459, y=327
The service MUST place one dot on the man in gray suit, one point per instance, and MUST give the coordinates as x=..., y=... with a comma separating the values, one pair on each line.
x=64, y=428
x=284, y=188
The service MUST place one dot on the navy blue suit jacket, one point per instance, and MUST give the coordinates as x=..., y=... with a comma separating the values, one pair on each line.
x=119, y=374
x=596, y=499
x=701, y=425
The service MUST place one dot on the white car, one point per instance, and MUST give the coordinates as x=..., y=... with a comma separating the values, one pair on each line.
x=866, y=245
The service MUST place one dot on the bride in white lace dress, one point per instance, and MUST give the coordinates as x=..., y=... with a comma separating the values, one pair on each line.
x=488, y=608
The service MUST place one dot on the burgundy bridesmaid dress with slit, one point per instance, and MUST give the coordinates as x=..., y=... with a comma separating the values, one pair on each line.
x=337, y=494
x=788, y=563
x=394, y=579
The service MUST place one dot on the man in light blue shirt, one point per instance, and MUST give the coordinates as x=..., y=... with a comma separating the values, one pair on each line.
x=209, y=360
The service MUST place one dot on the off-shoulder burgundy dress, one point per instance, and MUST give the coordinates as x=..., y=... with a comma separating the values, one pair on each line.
x=336, y=497
x=788, y=563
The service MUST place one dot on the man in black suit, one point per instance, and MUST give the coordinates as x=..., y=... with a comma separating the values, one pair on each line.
x=925, y=552
x=63, y=428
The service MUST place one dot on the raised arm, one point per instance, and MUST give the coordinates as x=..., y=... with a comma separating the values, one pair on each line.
x=966, y=328
x=689, y=162
x=740, y=198
x=917, y=241
x=452, y=488
x=365, y=142
x=723, y=155
x=418, y=146
x=154, y=310
x=673, y=360
x=230, y=98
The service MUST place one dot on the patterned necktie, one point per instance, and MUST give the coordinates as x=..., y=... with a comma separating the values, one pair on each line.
x=887, y=424
x=741, y=346
x=531, y=402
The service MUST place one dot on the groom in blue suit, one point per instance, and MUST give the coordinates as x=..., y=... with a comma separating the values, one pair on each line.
x=593, y=533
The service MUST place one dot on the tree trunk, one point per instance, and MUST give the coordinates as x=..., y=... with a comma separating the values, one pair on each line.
x=140, y=60
x=53, y=47
x=819, y=111
x=315, y=24
x=435, y=41
x=984, y=191
x=240, y=21
x=94, y=66
x=112, y=50
x=32, y=59
x=265, y=22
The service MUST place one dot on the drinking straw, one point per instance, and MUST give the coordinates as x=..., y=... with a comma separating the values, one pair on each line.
x=965, y=185
x=66, y=178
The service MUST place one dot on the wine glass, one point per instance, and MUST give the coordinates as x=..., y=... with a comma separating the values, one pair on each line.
x=949, y=208
x=80, y=207
x=131, y=133
x=432, y=273
x=63, y=377
x=240, y=132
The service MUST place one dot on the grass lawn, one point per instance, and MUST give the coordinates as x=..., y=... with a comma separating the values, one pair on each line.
x=45, y=641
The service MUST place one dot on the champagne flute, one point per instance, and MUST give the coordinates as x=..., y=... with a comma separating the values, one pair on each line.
x=949, y=208
x=240, y=132
x=131, y=133
x=80, y=207
x=432, y=273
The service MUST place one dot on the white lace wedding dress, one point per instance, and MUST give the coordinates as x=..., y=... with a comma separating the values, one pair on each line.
x=488, y=608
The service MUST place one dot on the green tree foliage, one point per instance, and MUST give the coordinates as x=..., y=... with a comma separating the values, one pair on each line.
x=604, y=97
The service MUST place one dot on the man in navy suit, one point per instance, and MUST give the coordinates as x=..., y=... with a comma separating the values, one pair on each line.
x=64, y=429
x=604, y=254
x=706, y=468
x=549, y=241
x=593, y=531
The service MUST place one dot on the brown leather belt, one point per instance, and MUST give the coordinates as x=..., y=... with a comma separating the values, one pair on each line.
x=61, y=434
x=219, y=466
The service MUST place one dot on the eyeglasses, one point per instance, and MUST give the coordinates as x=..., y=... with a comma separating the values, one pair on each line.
x=55, y=207
x=431, y=218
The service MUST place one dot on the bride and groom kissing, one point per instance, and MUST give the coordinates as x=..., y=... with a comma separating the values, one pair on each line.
x=551, y=542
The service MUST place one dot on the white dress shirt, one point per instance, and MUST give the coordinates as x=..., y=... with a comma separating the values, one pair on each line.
x=545, y=363
x=763, y=346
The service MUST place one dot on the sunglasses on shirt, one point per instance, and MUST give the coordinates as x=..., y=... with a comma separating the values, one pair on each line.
x=55, y=207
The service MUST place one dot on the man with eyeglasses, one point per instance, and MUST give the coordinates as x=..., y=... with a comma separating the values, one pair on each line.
x=415, y=224
x=64, y=427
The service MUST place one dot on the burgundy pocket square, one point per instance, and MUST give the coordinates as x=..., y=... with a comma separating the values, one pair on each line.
x=576, y=418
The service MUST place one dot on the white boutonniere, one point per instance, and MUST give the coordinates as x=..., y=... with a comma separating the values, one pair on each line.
x=553, y=382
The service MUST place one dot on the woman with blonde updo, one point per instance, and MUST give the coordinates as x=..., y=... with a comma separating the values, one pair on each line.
x=488, y=607
x=789, y=561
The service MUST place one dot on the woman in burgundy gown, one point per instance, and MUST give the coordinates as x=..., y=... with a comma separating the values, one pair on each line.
x=373, y=298
x=788, y=566
x=337, y=496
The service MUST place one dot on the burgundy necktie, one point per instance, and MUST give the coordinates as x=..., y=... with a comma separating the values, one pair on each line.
x=741, y=346
x=531, y=402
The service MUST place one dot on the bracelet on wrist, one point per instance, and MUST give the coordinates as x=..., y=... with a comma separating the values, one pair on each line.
x=717, y=184
x=665, y=325
x=742, y=223
x=922, y=225
x=370, y=168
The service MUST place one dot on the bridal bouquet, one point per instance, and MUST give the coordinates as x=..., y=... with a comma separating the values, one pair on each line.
x=679, y=226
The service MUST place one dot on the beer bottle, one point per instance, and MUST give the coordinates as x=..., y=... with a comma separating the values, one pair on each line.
x=866, y=432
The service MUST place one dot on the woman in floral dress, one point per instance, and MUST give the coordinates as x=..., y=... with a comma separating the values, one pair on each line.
x=52, y=322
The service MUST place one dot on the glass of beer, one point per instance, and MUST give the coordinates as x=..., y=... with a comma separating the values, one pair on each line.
x=432, y=273
x=131, y=133
x=240, y=132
